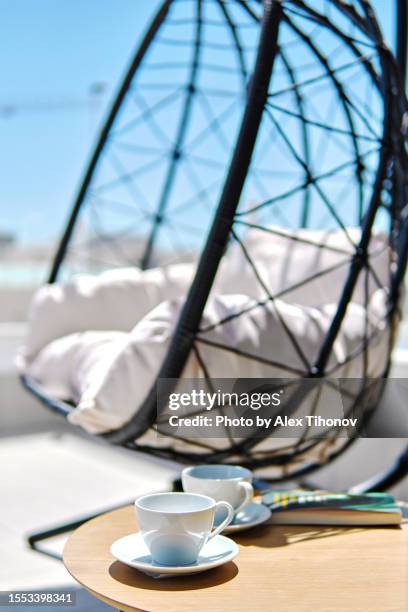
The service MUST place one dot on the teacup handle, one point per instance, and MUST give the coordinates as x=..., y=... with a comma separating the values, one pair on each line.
x=225, y=522
x=248, y=495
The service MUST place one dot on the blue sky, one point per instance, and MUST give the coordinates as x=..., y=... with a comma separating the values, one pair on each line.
x=53, y=52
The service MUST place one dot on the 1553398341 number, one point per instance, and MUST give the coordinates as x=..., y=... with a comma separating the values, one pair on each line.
x=35, y=598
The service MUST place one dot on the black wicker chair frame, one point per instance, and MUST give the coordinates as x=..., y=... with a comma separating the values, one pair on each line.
x=388, y=191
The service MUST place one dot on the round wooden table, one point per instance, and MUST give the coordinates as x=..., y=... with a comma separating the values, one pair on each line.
x=279, y=568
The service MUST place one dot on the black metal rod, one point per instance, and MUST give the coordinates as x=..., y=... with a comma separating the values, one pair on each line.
x=359, y=259
x=35, y=537
x=63, y=245
x=342, y=97
x=237, y=42
x=55, y=405
x=305, y=212
x=177, y=148
x=386, y=479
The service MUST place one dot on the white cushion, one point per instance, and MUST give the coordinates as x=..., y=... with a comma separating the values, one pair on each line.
x=118, y=299
x=114, y=300
x=64, y=364
x=109, y=375
x=286, y=258
x=72, y=351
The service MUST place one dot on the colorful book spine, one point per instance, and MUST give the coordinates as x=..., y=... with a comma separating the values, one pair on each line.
x=300, y=498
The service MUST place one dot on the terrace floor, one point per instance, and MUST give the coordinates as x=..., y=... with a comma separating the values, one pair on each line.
x=54, y=477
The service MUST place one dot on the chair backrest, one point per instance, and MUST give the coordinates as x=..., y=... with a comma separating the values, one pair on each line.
x=299, y=126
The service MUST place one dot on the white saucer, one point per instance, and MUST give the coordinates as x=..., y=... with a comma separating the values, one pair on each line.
x=252, y=515
x=132, y=551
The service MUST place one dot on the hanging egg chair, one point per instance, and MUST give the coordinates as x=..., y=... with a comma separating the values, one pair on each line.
x=243, y=215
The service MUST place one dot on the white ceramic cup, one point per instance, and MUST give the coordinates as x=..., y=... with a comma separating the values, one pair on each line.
x=230, y=483
x=175, y=526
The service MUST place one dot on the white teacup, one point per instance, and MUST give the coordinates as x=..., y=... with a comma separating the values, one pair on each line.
x=175, y=526
x=230, y=483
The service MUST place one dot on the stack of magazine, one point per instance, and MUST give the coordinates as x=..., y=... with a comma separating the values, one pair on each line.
x=302, y=507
